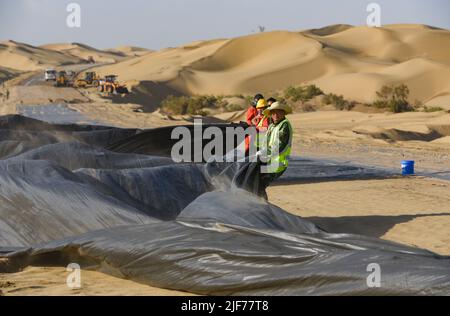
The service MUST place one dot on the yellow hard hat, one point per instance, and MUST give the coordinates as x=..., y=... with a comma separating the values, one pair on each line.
x=261, y=104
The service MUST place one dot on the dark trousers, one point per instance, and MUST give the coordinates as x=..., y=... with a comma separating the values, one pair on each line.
x=265, y=179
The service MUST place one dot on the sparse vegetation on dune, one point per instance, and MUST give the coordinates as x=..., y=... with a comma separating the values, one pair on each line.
x=394, y=98
x=389, y=98
x=199, y=105
x=302, y=93
x=338, y=101
x=305, y=98
x=298, y=98
x=432, y=109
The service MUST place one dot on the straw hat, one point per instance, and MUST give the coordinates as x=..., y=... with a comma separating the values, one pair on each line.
x=278, y=106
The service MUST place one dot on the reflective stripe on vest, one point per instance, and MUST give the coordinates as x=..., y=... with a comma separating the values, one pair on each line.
x=261, y=122
x=278, y=162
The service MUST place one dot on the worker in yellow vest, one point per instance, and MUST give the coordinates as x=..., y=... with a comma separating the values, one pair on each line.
x=276, y=147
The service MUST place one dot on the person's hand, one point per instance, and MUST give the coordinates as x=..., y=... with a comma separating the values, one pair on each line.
x=243, y=124
x=261, y=155
x=262, y=129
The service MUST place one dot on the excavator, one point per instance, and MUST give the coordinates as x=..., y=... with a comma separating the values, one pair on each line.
x=111, y=85
x=91, y=79
x=62, y=80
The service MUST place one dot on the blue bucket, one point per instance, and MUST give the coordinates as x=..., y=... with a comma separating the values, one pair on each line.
x=407, y=167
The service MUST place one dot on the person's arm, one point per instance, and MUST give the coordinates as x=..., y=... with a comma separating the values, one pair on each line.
x=250, y=115
x=255, y=120
x=285, y=134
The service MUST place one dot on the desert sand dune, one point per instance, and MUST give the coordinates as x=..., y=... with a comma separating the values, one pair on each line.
x=352, y=61
x=442, y=100
x=329, y=30
x=396, y=43
x=425, y=78
x=7, y=73
x=131, y=51
x=26, y=57
x=85, y=52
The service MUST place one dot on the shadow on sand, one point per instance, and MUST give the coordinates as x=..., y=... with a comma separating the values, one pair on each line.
x=372, y=226
x=305, y=170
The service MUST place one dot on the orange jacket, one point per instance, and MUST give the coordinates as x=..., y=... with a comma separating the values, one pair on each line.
x=251, y=113
x=262, y=128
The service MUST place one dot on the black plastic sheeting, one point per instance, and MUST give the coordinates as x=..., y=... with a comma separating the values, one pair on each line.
x=102, y=198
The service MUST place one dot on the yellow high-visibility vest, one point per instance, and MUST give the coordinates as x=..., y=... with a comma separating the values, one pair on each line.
x=278, y=162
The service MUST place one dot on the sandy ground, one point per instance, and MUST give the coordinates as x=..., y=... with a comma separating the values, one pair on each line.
x=377, y=139
x=413, y=211
x=52, y=281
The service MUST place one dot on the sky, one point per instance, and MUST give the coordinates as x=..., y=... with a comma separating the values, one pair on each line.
x=168, y=23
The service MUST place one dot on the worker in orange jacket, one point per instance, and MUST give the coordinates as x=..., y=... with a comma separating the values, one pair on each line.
x=252, y=111
x=260, y=121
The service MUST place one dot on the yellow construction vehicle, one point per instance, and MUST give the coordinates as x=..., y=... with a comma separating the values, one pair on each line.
x=62, y=80
x=91, y=79
x=111, y=85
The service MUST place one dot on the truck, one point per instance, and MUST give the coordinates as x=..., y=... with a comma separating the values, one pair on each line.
x=50, y=75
